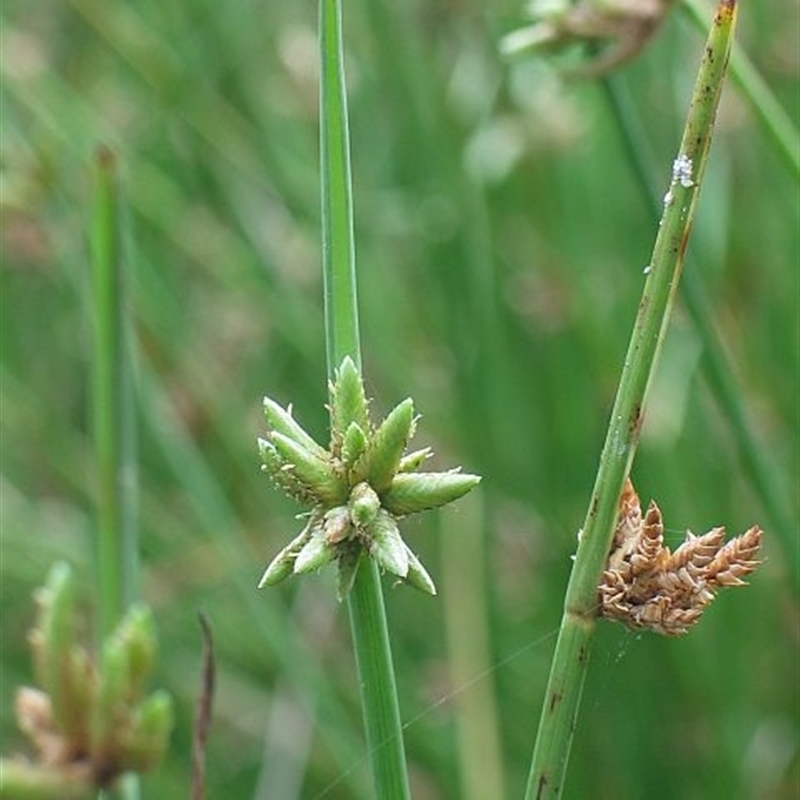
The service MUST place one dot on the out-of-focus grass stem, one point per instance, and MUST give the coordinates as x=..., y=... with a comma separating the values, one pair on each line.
x=112, y=417
x=570, y=660
x=112, y=404
x=466, y=620
x=365, y=602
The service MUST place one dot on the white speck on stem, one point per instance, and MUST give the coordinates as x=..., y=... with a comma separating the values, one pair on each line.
x=682, y=171
x=647, y=269
x=580, y=536
x=619, y=447
x=668, y=198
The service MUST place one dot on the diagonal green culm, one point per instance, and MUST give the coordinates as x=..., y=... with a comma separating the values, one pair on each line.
x=570, y=660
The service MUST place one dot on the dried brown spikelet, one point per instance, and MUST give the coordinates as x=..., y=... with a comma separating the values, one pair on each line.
x=650, y=542
x=647, y=586
x=735, y=559
x=697, y=551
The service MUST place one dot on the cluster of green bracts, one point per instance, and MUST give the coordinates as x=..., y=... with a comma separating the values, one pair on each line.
x=358, y=488
x=90, y=721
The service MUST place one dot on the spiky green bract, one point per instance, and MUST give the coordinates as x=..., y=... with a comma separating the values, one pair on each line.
x=127, y=661
x=317, y=474
x=148, y=737
x=90, y=718
x=137, y=637
x=282, y=474
x=348, y=403
x=387, y=547
x=315, y=553
x=61, y=664
x=281, y=567
x=281, y=420
x=283, y=564
x=357, y=489
x=386, y=447
x=364, y=505
x=417, y=575
x=112, y=696
x=413, y=461
x=411, y=492
x=52, y=640
x=354, y=444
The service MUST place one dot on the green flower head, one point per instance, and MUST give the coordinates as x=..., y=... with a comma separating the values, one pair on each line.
x=357, y=489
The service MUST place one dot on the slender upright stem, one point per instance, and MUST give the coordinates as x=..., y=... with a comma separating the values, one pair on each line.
x=378, y=689
x=760, y=469
x=338, y=246
x=568, y=670
x=366, y=606
x=774, y=121
x=466, y=618
x=112, y=407
x=112, y=415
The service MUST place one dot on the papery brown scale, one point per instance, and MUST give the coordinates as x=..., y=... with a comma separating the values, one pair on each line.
x=688, y=581
x=680, y=620
x=707, y=546
x=650, y=543
x=638, y=563
x=624, y=571
x=729, y=578
x=654, y=523
x=629, y=500
x=655, y=610
x=630, y=515
x=736, y=557
x=615, y=600
x=612, y=583
x=697, y=550
x=648, y=585
x=666, y=583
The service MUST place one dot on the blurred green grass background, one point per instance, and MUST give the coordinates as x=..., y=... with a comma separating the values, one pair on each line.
x=501, y=243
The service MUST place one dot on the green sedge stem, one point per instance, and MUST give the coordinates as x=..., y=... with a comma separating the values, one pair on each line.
x=365, y=601
x=112, y=407
x=760, y=470
x=774, y=120
x=338, y=248
x=112, y=412
x=377, y=682
x=570, y=661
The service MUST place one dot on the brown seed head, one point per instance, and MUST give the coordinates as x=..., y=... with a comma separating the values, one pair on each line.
x=647, y=586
